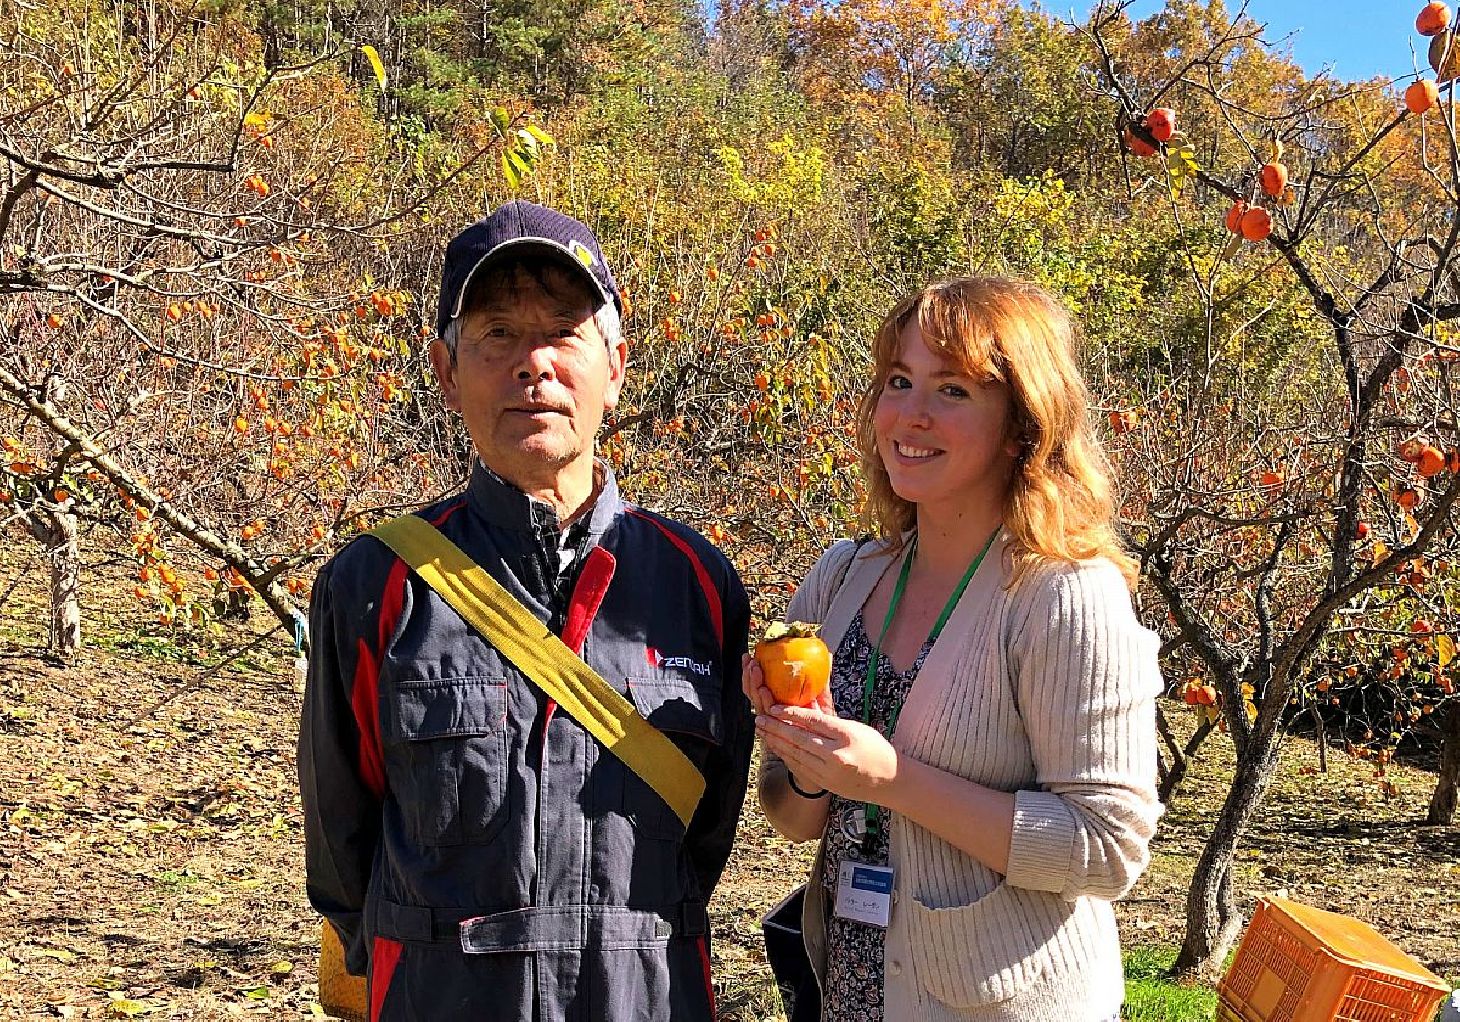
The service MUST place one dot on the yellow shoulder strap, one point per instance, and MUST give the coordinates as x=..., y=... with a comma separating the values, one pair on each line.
x=546, y=660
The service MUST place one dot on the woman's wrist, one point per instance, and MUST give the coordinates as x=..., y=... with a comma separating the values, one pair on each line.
x=791, y=780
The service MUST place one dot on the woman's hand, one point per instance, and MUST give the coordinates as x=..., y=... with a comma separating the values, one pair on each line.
x=752, y=682
x=824, y=751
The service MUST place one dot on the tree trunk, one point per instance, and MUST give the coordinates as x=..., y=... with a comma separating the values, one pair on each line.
x=57, y=530
x=1212, y=919
x=1442, y=803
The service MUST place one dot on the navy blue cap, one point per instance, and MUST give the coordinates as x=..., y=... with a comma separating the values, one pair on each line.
x=516, y=227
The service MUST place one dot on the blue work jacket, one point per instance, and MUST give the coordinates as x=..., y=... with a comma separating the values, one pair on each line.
x=482, y=856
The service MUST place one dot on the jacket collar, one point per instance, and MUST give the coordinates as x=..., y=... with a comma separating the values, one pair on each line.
x=505, y=506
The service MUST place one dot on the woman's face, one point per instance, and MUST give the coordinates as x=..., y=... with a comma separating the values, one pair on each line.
x=945, y=438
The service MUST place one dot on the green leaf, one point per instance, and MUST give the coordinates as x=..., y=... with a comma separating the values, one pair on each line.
x=540, y=135
x=510, y=172
x=500, y=120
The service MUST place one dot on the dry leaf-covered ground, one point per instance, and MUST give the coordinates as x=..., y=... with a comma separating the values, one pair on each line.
x=150, y=842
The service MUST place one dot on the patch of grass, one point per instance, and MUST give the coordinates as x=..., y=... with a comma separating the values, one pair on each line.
x=1151, y=997
x=142, y=644
x=173, y=881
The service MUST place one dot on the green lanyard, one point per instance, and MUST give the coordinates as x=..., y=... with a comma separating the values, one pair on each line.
x=873, y=812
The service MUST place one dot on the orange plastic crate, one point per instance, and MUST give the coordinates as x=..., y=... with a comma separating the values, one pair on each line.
x=1227, y=1013
x=1301, y=964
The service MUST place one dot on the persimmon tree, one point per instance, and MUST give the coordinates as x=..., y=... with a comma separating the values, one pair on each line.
x=1291, y=431
x=211, y=314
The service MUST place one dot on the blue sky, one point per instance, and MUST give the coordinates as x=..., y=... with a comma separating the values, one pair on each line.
x=1356, y=39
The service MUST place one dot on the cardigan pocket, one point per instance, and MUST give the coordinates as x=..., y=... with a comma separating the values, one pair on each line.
x=986, y=951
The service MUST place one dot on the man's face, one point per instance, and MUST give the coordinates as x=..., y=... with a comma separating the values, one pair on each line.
x=532, y=375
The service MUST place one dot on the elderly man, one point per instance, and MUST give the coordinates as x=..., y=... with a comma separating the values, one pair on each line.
x=481, y=854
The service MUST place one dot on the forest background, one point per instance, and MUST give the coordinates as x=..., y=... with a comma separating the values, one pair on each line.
x=220, y=235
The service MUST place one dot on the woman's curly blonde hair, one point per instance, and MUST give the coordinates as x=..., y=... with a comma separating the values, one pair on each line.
x=1060, y=504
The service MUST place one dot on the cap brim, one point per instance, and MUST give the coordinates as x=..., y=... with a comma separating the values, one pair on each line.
x=518, y=245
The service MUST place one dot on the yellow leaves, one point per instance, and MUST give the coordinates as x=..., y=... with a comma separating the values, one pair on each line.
x=1444, y=650
x=884, y=48
x=123, y=1007
x=58, y=953
x=1181, y=165
x=787, y=175
x=524, y=147
x=373, y=56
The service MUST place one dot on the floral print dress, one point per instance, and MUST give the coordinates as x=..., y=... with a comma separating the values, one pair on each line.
x=852, y=991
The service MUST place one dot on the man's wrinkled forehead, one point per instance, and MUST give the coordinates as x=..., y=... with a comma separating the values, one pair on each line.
x=506, y=287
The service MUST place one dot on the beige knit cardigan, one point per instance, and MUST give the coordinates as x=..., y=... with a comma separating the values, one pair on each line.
x=1047, y=691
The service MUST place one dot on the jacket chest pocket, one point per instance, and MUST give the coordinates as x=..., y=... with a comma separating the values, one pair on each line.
x=448, y=759
x=688, y=713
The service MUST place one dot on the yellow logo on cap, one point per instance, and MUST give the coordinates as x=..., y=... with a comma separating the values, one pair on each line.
x=581, y=253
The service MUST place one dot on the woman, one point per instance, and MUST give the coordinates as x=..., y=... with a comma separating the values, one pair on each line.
x=987, y=752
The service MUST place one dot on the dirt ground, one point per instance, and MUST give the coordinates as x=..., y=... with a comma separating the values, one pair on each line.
x=150, y=843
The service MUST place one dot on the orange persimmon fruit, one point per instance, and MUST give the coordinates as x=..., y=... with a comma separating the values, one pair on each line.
x=1274, y=178
x=795, y=662
x=1433, y=19
x=1161, y=123
x=1234, y=216
x=1256, y=224
x=1431, y=461
x=1138, y=146
x=1421, y=96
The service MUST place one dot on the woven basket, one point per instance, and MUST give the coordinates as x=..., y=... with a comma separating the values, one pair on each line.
x=341, y=995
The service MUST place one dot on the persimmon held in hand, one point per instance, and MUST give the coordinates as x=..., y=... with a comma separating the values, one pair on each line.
x=795, y=662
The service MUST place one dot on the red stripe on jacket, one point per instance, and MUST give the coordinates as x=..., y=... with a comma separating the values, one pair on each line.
x=712, y=595
x=365, y=687
x=587, y=597
x=703, y=945
x=382, y=967
x=365, y=692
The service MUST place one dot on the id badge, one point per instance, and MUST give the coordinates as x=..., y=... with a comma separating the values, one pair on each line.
x=864, y=893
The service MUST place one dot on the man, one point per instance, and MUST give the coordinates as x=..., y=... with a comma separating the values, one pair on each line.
x=480, y=853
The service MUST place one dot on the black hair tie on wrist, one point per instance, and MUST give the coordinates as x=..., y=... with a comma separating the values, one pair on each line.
x=798, y=789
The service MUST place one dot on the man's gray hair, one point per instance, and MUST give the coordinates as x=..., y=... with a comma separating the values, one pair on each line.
x=610, y=328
